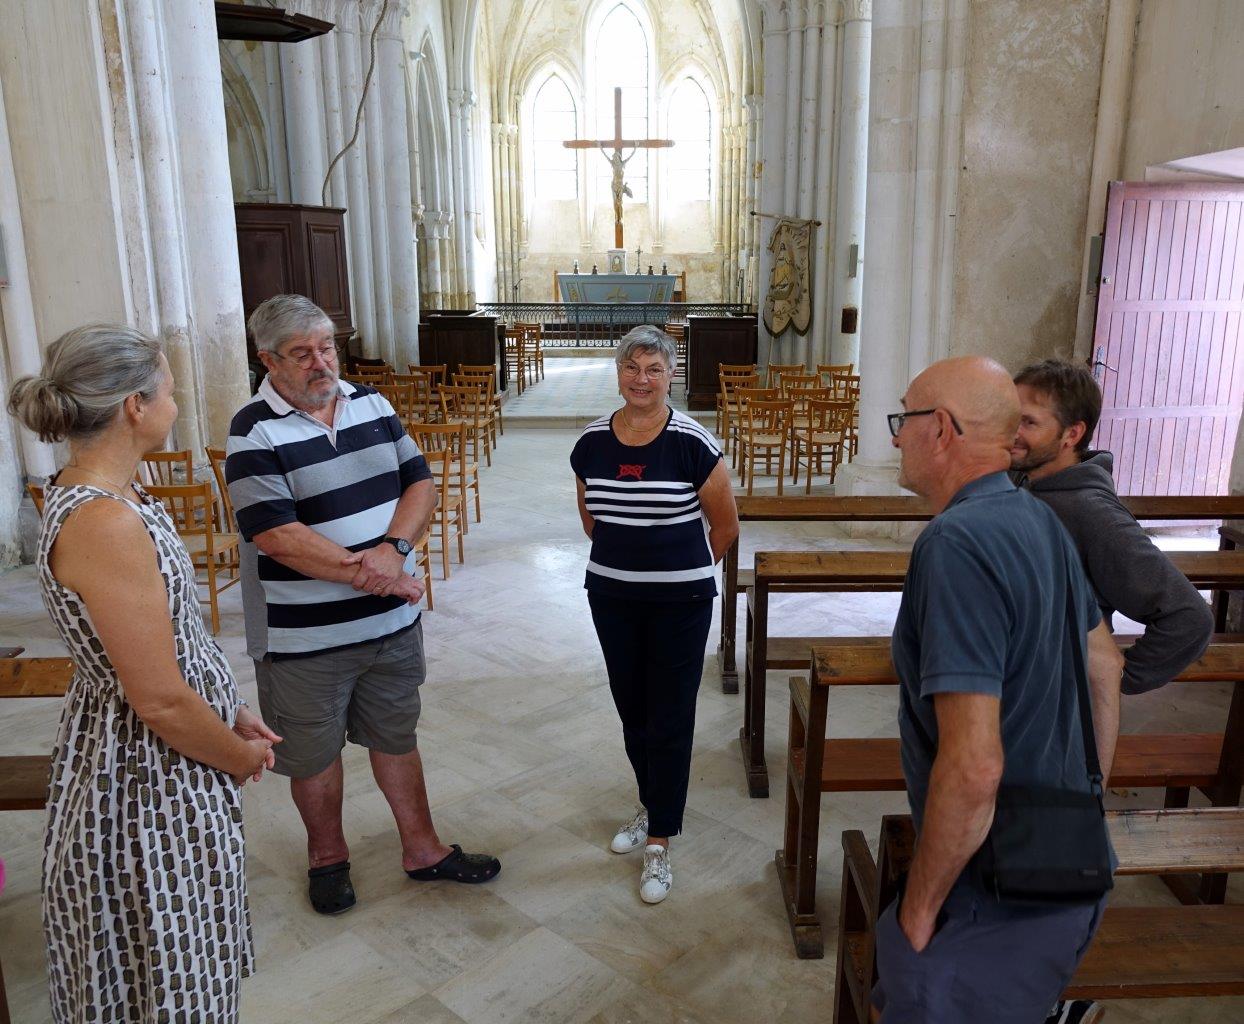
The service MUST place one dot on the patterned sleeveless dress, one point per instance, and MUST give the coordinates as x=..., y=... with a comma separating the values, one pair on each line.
x=144, y=887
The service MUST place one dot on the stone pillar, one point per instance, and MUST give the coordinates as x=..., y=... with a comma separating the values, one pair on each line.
x=772, y=166
x=852, y=165
x=375, y=189
x=824, y=89
x=21, y=335
x=461, y=107
x=165, y=235
x=304, y=120
x=403, y=283
x=795, y=13
x=499, y=199
x=752, y=161
x=353, y=171
x=913, y=152
x=208, y=235
x=334, y=109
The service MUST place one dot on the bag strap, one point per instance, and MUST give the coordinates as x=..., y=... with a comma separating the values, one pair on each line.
x=1084, y=702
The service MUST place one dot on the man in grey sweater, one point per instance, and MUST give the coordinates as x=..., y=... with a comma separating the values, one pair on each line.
x=1060, y=405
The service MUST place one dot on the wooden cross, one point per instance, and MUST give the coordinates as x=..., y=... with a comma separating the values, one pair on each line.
x=617, y=144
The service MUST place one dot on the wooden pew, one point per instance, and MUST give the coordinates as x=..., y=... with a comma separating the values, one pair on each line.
x=1138, y=953
x=1212, y=762
x=905, y=509
x=24, y=779
x=852, y=571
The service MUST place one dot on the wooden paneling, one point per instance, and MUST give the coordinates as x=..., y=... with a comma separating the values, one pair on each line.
x=301, y=250
x=712, y=340
x=454, y=339
x=1168, y=339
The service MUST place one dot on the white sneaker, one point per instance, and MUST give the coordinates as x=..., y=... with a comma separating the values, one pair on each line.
x=633, y=834
x=656, y=879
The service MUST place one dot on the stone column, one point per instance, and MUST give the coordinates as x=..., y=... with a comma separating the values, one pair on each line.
x=17, y=310
x=165, y=235
x=913, y=153
x=353, y=171
x=771, y=150
x=751, y=160
x=499, y=207
x=334, y=108
x=852, y=164
x=403, y=283
x=795, y=13
x=208, y=235
x=461, y=107
x=304, y=120
x=375, y=189
x=824, y=89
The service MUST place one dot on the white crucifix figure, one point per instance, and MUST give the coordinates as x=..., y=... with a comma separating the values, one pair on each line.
x=617, y=160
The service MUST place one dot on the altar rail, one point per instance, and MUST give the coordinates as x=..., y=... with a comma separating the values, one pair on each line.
x=601, y=324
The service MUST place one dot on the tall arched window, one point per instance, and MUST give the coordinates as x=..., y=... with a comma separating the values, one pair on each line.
x=689, y=165
x=622, y=60
x=555, y=168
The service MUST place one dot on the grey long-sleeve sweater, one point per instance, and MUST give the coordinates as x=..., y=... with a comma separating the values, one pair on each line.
x=1129, y=573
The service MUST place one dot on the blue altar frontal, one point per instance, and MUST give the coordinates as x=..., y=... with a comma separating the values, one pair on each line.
x=616, y=289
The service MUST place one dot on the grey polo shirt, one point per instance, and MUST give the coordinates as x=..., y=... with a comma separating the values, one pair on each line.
x=984, y=611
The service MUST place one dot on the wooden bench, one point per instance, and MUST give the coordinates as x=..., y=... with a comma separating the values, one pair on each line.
x=816, y=765
x=852, y=571
x=904, y=509
x=24, y=779
x=1138, y=953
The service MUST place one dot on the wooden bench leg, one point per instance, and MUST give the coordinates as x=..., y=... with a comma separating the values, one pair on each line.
x=752, y=735
x=796, y=861
x=4, y=1001
x=857, y=919
x=729, y=619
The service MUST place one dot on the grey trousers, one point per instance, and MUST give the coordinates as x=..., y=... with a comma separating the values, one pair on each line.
x=987, y=962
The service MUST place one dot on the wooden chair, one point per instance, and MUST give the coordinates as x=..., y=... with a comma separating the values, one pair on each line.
x=738, y=400
x=776, y=370
x=1138, y=952
x=168, y=469
x=521, y=343
x=36, y=495
x=469, y=406
x=24, y=779
x=765, y=434
x=439, y=443
x=427, y=406
x=535, y=349
x=403, y=399
x=679, y=333
x=434, y=372
x=191, y=507
x=824, y=432
x=484, y=382
x=791, y=382
x=223, y=509
x=827, y=371
x=491, y=369
x=464, y=476
x=727, y=383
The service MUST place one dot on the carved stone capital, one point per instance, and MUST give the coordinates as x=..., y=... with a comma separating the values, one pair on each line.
x=857, y=10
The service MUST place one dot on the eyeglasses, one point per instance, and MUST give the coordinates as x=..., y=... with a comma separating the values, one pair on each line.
x=653, y=372
x=896, y=419
x=305, y=358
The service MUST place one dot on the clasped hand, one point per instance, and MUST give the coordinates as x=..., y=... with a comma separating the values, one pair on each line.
x=382, y=571
x=259, y=740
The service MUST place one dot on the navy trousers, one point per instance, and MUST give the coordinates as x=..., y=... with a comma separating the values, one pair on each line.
x=654, y=652
x=988, y=962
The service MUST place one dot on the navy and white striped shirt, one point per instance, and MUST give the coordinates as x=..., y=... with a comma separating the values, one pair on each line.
x=650, y=541
x=344, y=481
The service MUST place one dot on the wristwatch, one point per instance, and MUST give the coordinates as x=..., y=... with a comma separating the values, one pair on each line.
x=401, y=543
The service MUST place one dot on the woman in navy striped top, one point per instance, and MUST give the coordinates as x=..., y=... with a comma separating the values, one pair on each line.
x=655, y=498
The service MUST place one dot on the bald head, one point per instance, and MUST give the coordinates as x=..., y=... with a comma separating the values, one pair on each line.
x=977, y=391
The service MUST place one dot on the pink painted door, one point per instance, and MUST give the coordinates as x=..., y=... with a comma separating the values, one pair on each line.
x=1168, y=348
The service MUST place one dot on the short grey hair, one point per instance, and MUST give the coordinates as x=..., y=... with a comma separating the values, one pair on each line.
x=282, y=317
x=87, y=375
x=647, y=338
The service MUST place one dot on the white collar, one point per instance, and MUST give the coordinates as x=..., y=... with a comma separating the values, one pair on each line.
x=281, y=407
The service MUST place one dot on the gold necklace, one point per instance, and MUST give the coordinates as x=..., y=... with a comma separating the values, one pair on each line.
x=636, y=430
x=120, y=489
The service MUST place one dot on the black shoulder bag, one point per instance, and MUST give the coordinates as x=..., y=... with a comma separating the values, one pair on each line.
x=1048, y=845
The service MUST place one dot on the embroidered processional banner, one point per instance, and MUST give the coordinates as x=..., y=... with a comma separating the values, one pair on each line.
x=789, y=299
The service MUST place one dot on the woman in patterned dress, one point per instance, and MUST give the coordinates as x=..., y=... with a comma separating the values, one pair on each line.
x=144, y=892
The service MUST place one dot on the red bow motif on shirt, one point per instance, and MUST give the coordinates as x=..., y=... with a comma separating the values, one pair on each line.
x=635, y=471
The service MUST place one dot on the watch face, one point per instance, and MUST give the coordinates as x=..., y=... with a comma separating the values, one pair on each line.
x=402, y=545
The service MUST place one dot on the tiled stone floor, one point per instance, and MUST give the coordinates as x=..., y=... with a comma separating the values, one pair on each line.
x=524, y=758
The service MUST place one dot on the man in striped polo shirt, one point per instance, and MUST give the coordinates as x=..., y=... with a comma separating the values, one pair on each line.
x=329, y=494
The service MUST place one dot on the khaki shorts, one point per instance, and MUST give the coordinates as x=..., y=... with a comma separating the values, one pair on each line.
x=367, y=694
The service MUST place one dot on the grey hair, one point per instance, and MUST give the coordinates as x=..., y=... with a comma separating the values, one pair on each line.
x=88, y=373
x=647, y=338
x=282, y=317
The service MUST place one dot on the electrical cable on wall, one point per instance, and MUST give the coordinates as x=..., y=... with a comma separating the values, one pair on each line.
x=358, y=114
